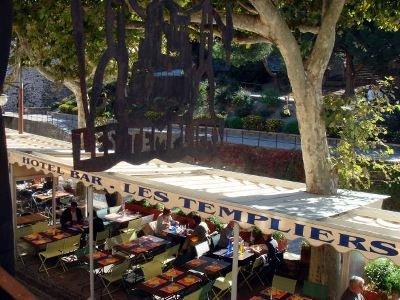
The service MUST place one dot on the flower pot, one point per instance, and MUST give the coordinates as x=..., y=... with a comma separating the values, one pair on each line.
x=282, y=245
x=373, y=295
x=211, y=226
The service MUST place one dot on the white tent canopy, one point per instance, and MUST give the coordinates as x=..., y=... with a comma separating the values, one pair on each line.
x=346, y=221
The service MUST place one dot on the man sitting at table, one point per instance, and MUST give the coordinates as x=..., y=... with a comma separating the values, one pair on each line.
x=71, y=215
x=164, y=220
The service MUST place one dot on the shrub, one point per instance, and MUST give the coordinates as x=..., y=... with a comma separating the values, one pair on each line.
x=377, y=273
x=253, y=122
x=243, y=102
x=68, y=108
x=153, y=115
x=393, y=280
x=291, y=127
x=273, y=125
x=217, y=222
x=277, y=235
x=234, y=122
x=270, y=97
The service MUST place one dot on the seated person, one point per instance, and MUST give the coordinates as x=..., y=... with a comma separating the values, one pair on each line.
x=201, y=229
x=71, y=215
x=355, y=289
x=48, y=185
x=271, y=259
x=226, y=235
x=164, y=220
x=98, y=225
x=199, y=235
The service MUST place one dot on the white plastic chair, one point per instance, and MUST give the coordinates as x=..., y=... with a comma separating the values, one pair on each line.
x=202, y=248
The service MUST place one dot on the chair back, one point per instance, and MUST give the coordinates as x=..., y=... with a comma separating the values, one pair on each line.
x=118, y=271
x=202, y=248
x=82, y=252
x=114, y=209
x=172, y=251
x=315, y=290
x=151, y=269
x=128, y=236
x=102, y=235
x=147, y=219
x=23, y=231
x=200, y=294
x=101, y=213
x=40, y=226
x=56, y=246
x=284, y=284
x=215, y=240
x=135, y=224
x=71, y=243
x=258, y=263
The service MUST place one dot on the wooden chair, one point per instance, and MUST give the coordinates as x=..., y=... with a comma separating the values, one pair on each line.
x=254, y=272
x=223, y=284
x=151, y=269
x=102, y=236
x=202, y=248
x=200, y=294
x=168, y=256
x=133, y=225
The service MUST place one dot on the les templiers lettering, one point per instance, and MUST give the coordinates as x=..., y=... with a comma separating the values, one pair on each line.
x=294, y=228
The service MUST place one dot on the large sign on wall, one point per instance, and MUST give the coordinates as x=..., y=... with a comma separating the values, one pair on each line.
x=316, y=232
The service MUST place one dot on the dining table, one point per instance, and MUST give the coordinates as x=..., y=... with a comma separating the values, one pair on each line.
x=48, y=196
x=122, y=217
x=104, y=258
x=209, y=266
x=147, y=245
x=30, y=219
x=243, y=258
x=174, y=283
x=40, y=239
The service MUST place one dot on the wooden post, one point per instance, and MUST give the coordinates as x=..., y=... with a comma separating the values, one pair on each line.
x=235, y=262
x=89, y=195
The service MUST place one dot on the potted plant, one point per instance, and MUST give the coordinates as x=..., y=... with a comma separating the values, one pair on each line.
x=377, y=273
x=393, y=281
x=214, y=223
x=305, y=253
x=281, y=239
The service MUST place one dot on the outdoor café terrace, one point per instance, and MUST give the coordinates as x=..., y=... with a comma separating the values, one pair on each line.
x=347, y=221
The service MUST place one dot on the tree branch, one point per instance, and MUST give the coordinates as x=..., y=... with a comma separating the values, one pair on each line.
x=135, y=25
x=325, y=41
x=308, y=28
x=247, y=7
x=133, y=5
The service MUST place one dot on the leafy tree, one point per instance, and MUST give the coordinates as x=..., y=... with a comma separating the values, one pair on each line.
x=43, y=30
x=361, y=150
x=243, y=54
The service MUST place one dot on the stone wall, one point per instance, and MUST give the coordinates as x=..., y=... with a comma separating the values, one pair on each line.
x=39, y=128
x=39, y=92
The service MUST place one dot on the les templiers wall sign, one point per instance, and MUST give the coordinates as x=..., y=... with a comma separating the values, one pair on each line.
x=315, y=232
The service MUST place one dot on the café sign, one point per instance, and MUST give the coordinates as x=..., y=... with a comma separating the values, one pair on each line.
x=316, y=232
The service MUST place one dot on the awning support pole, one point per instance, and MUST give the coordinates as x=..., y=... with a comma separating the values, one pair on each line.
x=89, y=201
x=13, y=190
x=235, y=263
x=53, y=199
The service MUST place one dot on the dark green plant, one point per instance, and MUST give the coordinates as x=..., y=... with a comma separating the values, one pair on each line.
x=253, y=122
x=270, y=97
x=393, y=280
x=243, y=102
x=178, y=211
x=291, y=127
x=256, y=230
x=277, y=235
x=273, y=125
x=159, y=206
x=217, y=222
x=145, y=203
x=153, y=115
x=377, y=273
x=234, y=122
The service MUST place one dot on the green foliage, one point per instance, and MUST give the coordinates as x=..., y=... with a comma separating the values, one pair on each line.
x=278, y=235
x=217, y=222
x=377, y=272
x=253, y=122
x=361, y=149
x=270, y=97
x=393, y=280
x=243, y=54
x=202, y=108
x=242, y=101
x=159, y=206
x=273, y=125
x=234, y=122
x=291, y=127
x=178, y=211
x=153, y=115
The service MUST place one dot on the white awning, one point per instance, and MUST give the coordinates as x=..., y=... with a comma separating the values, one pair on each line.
x=346, y=221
